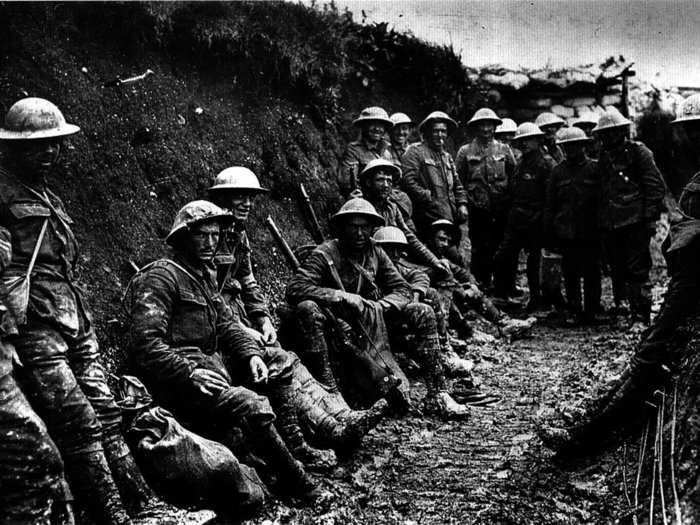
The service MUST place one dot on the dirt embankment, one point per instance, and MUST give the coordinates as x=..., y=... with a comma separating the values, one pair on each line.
x=270, y=86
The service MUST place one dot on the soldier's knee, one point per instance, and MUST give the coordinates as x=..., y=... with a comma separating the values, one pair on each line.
x=421, y=316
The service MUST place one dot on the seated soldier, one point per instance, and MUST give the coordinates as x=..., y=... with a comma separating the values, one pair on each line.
x=352, y=262
x=465, y=294
x=196, y=359
x=331, y=419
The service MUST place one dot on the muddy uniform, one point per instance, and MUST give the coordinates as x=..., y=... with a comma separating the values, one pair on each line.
x=323, y=276
x=57, y=345
x=632, y=192
x=31, y=470
x=430, y=180
x=178, y=323
x=524, y=229
x=485, y=173
x=571, y=224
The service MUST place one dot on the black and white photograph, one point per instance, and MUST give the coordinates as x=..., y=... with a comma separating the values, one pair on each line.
x=350, y=262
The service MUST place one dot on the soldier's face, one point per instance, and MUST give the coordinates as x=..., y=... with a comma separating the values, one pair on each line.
x=485, y=130
x=550, y=132
x=441, y=242
x=240, y=204
x=528, y=145
x=381, y=185
x=400, y=133
x=374, y=130
x=356, y=232
x=203, y=240
x=613, y=137
x=36, y=157
x=438, y=135
x=574, y=150
x=505, y=137
x=394, y=251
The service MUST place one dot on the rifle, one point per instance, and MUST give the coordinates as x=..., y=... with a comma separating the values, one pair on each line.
x=287, y=252
x=316, y=231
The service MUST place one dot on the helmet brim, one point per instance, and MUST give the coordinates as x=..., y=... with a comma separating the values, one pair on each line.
x=63, y=131
x=451, y=124
x=689, y=118
x=395, y=172
x=376, y=220
x=224, y=219
x=496, y=121
x=571, y=141
x=232, y=187
x=359, y=121
x=529, y=136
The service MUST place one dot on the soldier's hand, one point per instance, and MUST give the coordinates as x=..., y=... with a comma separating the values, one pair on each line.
x=350, y=301
x=208, y=381
x=462, y=213
x=258, y=369
x=257, y=336
x=443, y=267
x=269, y=334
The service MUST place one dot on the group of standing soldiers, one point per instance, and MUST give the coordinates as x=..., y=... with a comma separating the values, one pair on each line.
x=391, y=280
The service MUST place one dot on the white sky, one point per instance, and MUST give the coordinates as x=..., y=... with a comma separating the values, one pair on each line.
x=661, y=37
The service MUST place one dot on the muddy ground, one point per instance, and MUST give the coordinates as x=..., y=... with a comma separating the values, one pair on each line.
x=493, y=468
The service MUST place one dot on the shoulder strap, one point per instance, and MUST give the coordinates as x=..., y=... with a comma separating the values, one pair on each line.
x=333, y=269
x=37, y=247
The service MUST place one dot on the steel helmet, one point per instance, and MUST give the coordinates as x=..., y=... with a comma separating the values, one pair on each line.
x=360, y=207
x=237, y=178
x=195, y=212
x=381, y=164
x=548, y=119
x=689, y=109
x=484, y=114
x=569, y=135
x=612, y=118
x=35, y=118
x=527, y=130
x=439, y=116
x=374, y=113
x=586, y=120
x=390, y=235
x=400, y=118
x=507, y=125
x=447, y=225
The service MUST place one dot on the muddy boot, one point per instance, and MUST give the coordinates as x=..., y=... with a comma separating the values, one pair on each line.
x=356, y=426
x=456, y=366
x=135, y=492
x=443, y=406
x=292, y=478
x=515, y=328
x=287, y=424
x=91, y=480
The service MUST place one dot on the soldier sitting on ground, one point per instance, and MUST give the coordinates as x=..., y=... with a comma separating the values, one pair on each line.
x=197, y=360
x=461, y=290
x=351, y=278
x=331, y=419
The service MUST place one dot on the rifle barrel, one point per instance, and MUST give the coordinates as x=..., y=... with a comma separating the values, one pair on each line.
x=282, y=244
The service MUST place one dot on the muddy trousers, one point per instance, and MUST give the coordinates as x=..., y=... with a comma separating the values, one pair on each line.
x=487, y=231
x=581, y=262
x=630, y=263
x=67, y=385
x=418, y=319
x=31, y=470
x=527, y=238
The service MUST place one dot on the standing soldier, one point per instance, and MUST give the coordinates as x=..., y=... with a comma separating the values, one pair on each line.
x=431, y=180
x=549, y=124
x=505, y=133
x=399, y=135
x=197, y=359
x=56, y=342
x=485, y=167
x=587, y=121
x=31, y=470
x=571, y=222
x=632, y=192
x=524, y=229
x=374, y=124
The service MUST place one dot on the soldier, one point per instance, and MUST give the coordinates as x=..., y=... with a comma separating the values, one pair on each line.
x=377, y=181
x=549, y=124
x=462, y=290
x=31, y=470
x=485, y=167
x=632, y=192
x=353, y=279
x=571, y=222
x=587, y=121
x=524, y=229
x=196, y=359
x=688, y=123
x=431, y=180
x=234, y=190
x=399, y=135
x=660, y=351
x=374, y=124
x=505, y=133
x=56, y=342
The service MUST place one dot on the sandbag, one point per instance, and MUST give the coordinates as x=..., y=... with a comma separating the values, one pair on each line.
x=191, y=470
